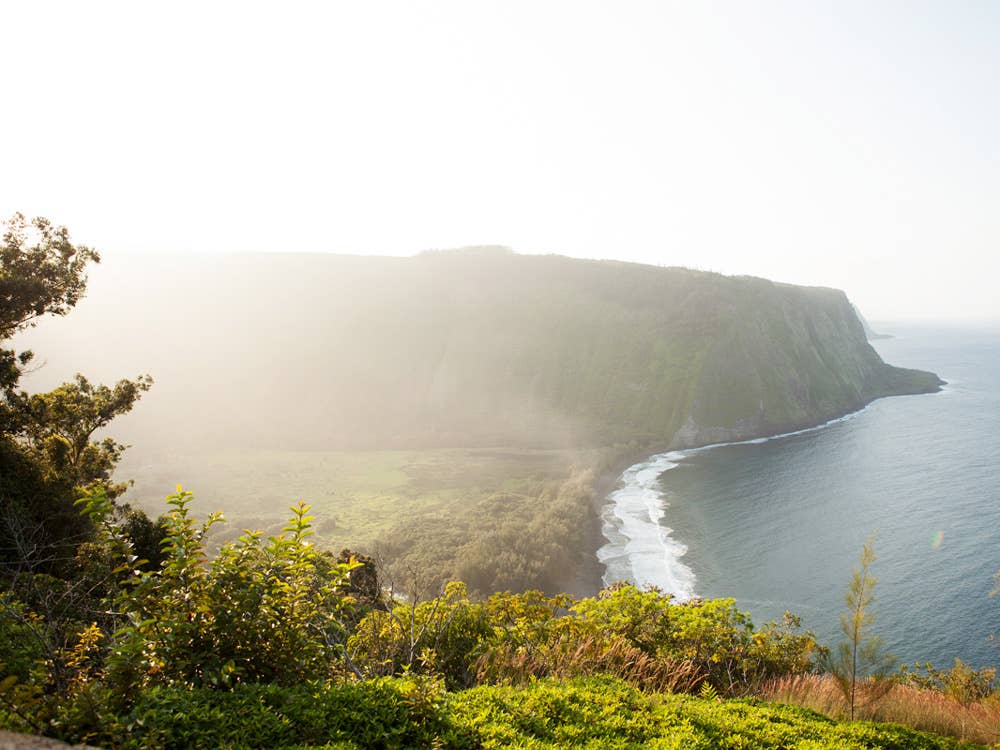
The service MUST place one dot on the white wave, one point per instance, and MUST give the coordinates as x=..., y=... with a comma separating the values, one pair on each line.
x=640, y=548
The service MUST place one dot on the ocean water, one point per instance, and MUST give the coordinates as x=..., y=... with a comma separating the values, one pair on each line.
x=779, y=524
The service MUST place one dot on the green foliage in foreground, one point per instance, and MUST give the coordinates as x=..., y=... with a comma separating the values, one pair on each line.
x=606, y=713
x=273, y=644
x=416, y=712
x=270, y=644
x=263, y=610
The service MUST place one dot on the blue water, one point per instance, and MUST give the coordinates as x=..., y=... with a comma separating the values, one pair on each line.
x=778, y=525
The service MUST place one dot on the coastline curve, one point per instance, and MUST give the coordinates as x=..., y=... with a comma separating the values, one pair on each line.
x=639, y=547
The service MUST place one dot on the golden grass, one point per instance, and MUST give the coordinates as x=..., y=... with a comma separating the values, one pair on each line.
x=917, y=708
x=517, y=665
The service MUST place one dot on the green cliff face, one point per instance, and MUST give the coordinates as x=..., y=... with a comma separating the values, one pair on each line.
x=789, y=357
x=610, y=351
x=476, y=347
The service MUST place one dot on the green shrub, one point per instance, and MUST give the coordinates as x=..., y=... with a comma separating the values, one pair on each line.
x=962, y=682
x=22, y=638
x=537, y=636
x=646, y=638
x=384, y=713
x=441, y=636
x=641, y=636
x=602, y=712
x=263, y=610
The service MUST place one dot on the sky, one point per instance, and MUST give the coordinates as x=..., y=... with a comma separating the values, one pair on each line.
x=845, y=144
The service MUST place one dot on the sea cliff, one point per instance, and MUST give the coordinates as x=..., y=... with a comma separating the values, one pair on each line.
x=787, y=358
x=472, y=348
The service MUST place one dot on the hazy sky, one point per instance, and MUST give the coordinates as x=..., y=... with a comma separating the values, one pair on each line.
x=848, y=144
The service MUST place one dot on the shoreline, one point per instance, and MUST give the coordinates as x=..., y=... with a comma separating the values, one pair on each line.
x=611, y=479
x=588, y=580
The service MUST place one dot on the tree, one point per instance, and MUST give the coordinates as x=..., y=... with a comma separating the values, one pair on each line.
x=860, y=664
x=57, y=581
x=41, y=273
x=46, y=446
x=59, y=426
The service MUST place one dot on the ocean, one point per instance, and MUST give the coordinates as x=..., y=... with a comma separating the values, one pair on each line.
x=778, y=524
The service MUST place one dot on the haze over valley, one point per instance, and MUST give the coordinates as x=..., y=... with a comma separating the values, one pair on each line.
x=406, y=398
x=476, y=374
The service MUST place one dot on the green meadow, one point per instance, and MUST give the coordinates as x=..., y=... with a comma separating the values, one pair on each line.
x=397, y=504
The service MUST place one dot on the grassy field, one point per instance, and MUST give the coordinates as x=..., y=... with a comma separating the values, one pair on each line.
x=357, y=496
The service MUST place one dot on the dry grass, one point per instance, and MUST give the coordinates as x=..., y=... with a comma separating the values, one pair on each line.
x=918, y=708
x=517, y=665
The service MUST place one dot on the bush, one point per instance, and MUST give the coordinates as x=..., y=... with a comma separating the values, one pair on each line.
x=962, y=683
x=263, y=610
x=537, y=636
x=441, y=636
x=639, y=636
x=384, y=713
x=22, y=641
x=602, y=712
x=713, y=636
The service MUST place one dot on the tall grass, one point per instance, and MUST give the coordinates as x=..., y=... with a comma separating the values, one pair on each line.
x=517, y=665
x=918, y=708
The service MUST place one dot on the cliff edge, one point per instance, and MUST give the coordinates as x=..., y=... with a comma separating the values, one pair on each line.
x=788, y=358
x=480, y=347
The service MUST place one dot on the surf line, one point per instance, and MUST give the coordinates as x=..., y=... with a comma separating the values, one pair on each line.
x=640, y=548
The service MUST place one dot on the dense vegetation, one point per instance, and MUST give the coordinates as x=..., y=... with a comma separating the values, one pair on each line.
x=272, y=643
x=408, y=712
x=539, y=537
x=125, y=632
x=505, y=518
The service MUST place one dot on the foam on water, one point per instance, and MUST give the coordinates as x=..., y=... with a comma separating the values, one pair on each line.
x=640, y=547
